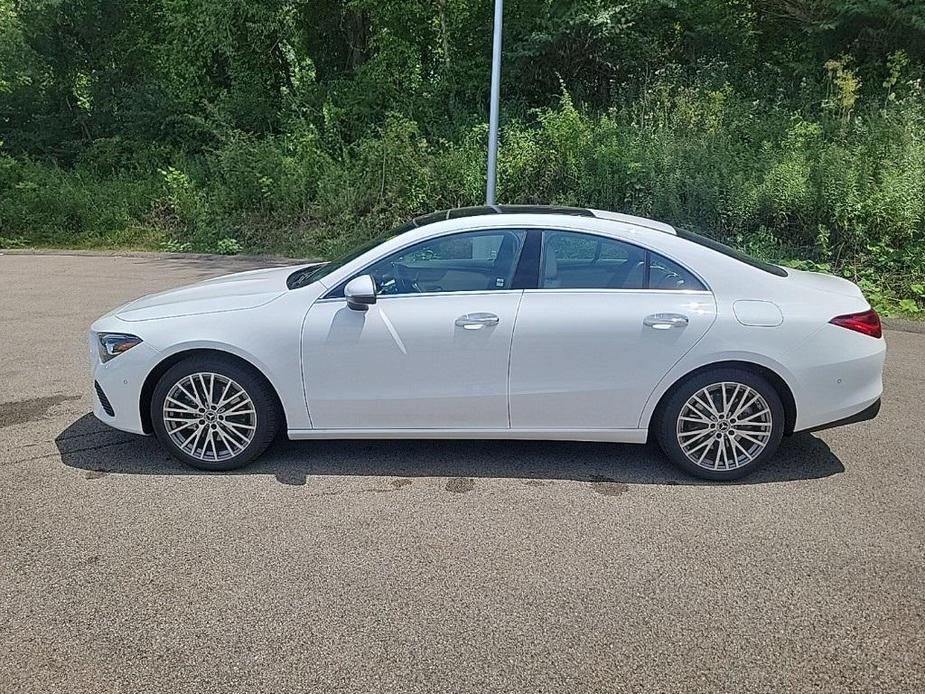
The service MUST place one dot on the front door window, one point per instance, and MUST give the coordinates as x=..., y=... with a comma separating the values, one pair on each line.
x=466, y=262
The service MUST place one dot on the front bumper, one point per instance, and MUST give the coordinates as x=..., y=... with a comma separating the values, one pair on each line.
x=118, y=383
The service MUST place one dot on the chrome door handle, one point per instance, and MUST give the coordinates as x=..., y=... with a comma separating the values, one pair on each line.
x=474, y=321
x=665, y=321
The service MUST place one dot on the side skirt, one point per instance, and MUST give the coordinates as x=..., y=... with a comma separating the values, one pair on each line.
x=608, y=435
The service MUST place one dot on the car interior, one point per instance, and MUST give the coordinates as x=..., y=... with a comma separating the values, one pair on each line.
x=582, y=261
x=463, y=262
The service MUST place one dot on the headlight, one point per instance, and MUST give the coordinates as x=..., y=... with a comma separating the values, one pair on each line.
x=114, y=344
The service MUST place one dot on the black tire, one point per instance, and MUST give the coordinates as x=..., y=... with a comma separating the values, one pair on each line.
x=667, y=422
x=268, y=416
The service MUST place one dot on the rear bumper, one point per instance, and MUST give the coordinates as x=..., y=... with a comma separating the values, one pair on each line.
x=839, y=374
x=864, y=415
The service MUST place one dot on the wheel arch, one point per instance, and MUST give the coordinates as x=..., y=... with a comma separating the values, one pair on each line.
x=150, y=382
x=780, y=385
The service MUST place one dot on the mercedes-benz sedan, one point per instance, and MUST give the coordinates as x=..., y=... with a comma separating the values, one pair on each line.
x=499, y=322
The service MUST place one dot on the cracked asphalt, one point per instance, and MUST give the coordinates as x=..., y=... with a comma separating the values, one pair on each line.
x=435, y=566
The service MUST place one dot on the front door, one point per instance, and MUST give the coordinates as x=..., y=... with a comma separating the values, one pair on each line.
x=432, y=353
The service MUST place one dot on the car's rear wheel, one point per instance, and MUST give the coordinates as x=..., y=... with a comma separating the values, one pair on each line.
x=721, y=424
x=214, y=413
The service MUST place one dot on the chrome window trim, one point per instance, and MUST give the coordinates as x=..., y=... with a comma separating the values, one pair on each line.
x=641, y=290
x=490, y=292
x=527, y=226
x=417, y=295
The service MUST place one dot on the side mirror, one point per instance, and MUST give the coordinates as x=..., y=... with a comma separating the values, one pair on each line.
x=360, y=293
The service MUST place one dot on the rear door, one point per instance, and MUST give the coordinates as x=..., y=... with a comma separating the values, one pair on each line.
x=606, y=323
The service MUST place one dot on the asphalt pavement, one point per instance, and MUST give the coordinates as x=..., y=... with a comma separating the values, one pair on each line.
x=420, y=566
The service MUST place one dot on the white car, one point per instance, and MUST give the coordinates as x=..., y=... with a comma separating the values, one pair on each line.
x=499, y=323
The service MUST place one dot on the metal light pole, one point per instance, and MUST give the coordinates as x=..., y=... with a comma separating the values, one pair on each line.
x=493, y=112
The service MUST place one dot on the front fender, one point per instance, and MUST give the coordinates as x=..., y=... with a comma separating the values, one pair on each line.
x=284, y=377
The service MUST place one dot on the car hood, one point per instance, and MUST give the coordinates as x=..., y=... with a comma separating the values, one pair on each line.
x=235, y=292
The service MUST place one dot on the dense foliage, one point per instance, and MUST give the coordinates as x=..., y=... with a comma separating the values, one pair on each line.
x=792, y=128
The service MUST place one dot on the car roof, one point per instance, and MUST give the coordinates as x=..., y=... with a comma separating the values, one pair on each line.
x=489, y=210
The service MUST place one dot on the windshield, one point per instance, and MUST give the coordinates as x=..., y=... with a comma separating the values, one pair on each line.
x=313, y=273
x=731, y=252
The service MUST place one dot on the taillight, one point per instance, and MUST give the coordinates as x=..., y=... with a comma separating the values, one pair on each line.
x=867, y=323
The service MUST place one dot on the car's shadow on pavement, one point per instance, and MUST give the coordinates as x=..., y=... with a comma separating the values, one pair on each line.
x=89, y=445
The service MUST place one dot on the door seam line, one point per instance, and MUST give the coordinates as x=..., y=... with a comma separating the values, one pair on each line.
x=510, y=352
x=671, y=368
x=302, y=365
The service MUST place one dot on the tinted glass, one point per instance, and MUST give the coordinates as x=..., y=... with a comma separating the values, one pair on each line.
x=731, y=252
x=473, y=261
x=545, y=209
x=583, y=261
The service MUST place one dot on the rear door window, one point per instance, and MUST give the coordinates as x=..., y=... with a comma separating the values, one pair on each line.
x=575, y=260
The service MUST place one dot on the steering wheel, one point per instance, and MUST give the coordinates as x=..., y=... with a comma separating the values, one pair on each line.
x=406, y=285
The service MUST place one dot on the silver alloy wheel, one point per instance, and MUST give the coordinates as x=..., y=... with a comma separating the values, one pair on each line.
x=724, y=426
x=209, y=416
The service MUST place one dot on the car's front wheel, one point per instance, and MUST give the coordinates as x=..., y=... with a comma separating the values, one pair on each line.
x=214, y=413
x=722, y=424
